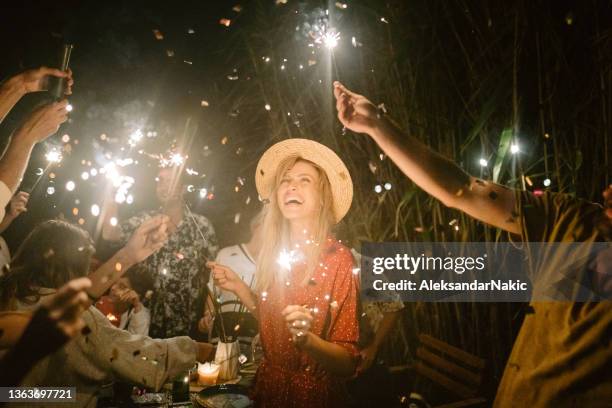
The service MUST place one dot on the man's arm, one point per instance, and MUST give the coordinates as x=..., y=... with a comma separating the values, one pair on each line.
x=486, y=201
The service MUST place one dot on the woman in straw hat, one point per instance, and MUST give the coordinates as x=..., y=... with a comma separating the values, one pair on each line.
x=305, y=294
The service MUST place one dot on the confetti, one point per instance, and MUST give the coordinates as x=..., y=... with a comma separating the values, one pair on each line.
x=225, y=22
x=158, y=35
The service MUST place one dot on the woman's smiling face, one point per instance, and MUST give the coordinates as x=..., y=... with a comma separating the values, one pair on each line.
x=298, y=192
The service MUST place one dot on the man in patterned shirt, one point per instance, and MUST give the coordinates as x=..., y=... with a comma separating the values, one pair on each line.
x=179, y=268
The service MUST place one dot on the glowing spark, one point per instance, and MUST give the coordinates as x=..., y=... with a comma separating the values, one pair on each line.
x=70, y=185
x=176, y=159
x=69, y=108
x=93, y=172
x=54, y=156
x=267, y=107
x=85, y=175
x=483, y=162
x=203, y=193
x=378, y=188
x=66, y=138
x=331, y=40
x=514, y=148
x=547, y=182
x=387, y=186
x=95, y=210
x=51, y=190
x=135, y=137
x=113, y=221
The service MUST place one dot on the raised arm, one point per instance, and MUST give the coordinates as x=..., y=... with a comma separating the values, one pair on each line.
x=484, y=200
x=41, y=123
x=33, y=80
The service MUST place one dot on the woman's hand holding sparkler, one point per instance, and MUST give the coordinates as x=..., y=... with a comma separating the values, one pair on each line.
x=299, y=321
x=355, y=111
x=225, y=278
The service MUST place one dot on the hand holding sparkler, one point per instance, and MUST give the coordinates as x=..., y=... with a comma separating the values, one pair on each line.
x=225, y=278
x=36, y=80
x=355, y=111
x=299, y=321
x=147, y=239
x=43, y=122
x=18, y=204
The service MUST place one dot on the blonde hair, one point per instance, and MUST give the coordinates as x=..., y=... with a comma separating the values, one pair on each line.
x=276, y=232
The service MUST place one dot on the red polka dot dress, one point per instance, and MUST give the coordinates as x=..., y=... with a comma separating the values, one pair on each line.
x=287, y=376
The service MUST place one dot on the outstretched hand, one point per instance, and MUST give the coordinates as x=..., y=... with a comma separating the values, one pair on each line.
x=65, y=307
x=355, y=111
x=224, y=277
x=147, y=239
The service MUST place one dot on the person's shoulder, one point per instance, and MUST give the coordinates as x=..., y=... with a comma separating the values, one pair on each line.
x=227, y=252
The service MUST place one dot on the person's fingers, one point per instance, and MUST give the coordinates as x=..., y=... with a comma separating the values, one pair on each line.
x=69, y=290
x=23, y=194
x=294, y=309
x=149, y=225
x=70, y=307
x=343, y=89
x=73, y=327
x=42, y=71
x=60, y=105
x=298, y=316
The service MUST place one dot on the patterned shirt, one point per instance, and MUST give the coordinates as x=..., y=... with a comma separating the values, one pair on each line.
x=179, y=273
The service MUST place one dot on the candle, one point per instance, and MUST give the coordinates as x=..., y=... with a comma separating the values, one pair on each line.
x=208, y=373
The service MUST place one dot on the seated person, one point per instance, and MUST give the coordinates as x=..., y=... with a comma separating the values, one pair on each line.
x=123, y=305
x=103, y=353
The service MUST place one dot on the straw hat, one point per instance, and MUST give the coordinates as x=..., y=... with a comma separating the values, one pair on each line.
x=337, y=173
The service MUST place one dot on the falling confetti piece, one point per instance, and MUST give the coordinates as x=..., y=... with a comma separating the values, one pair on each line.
x=372, y=167
x=237, y=8
x=204, y=104
x=118, y=266
x=170, y=53
x=224, y=140
x=158, y=35
x=237, y=218
x=225, y=22
x=341, y=6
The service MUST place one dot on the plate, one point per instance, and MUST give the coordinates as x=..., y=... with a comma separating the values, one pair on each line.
x=224, y=396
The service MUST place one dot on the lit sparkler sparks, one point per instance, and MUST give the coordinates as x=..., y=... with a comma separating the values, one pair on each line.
x=53, y=156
